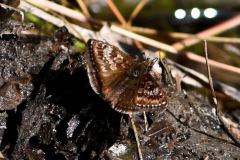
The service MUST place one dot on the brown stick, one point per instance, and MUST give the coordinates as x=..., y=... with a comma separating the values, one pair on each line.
x=83, y=7
x=228, y=128
x=46, y=5
x=121, y=19
x=136, y=137
x=116, y=12
x=171, y=49
x=137, y=10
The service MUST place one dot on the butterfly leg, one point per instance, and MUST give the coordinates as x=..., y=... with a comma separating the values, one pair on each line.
x=136, y=137
x=163, y=63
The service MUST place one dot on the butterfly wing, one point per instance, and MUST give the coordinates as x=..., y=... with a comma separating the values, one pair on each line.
x=106, y=66
x=147, y=94
x=150, y=94
x=112, y=75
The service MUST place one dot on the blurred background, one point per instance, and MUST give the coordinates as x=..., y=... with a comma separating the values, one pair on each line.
x=170, y=15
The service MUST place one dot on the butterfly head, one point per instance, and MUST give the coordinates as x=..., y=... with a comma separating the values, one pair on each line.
x=141, y=68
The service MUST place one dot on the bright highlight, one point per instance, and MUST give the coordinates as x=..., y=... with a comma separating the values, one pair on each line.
x=195, y=13
x=210, y=12
x=180, y=13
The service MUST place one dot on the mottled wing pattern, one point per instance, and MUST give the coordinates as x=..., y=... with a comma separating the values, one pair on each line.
x=106, y=66
x=148, y=95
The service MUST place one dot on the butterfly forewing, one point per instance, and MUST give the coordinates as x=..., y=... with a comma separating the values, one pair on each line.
x=109, y=62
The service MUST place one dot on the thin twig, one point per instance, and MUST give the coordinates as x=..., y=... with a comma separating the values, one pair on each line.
x=151, y=31
x=137, y=10
x=209, y=74
x=75, y=30
x=49, y=5
x=40, y=13
x=121, y=19
x=212, y=63
x=228, y=24
x=230, y=91
x=116, y=12
x=171, y=49
x=143, y=39
x=142, y=30
x=210, y=39
x=45, y=5
x=136, y=137
x=227, y=127
x=83, y=7
x=232, y=49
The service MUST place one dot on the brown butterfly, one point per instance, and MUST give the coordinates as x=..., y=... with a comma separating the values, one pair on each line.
x=128, y=83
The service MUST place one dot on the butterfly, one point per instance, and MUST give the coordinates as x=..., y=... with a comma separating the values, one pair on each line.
x=129, y=84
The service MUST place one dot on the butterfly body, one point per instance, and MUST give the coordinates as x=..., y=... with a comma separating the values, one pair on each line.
x=129, y=84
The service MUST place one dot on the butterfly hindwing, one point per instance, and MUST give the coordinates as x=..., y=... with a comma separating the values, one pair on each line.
x=150, y=94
